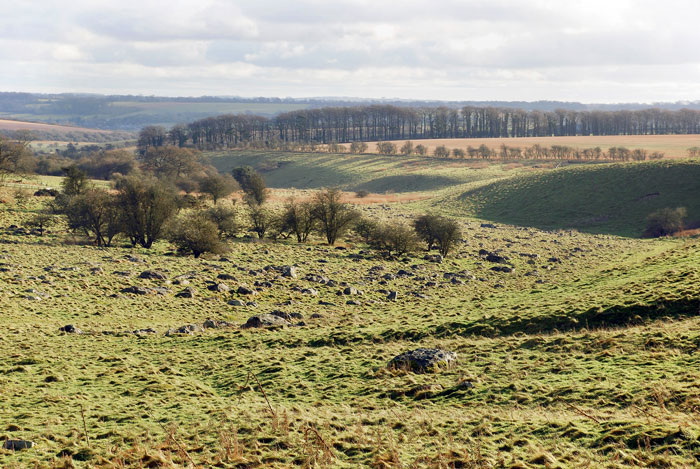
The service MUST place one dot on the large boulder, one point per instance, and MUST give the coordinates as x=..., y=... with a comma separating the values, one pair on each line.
x=424, y=360
x=265, y=320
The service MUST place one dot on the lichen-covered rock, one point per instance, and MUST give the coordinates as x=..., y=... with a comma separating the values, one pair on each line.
x=424, y=360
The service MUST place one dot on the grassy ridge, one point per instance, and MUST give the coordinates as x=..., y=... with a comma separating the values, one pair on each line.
x=353, y=172
x=613, y=198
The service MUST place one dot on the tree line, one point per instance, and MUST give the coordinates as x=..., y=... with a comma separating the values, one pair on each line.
x=388, y=122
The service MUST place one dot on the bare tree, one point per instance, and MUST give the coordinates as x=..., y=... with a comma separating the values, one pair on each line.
x=334, y=217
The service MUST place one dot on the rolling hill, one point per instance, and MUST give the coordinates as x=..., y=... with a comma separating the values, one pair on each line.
x=611, y=198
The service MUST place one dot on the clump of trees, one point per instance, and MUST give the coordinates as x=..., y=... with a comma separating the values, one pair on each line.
x=438, y=231
x=665, y=222
x=399, y=238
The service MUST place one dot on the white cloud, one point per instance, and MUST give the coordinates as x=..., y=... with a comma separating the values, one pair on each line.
x=613, y=50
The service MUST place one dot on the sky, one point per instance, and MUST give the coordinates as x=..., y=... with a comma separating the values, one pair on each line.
x=593, y=51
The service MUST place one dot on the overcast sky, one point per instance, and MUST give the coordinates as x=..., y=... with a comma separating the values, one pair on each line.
x=589, y=51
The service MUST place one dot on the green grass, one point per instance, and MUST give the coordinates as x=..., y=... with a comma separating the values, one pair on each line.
x=614, y=198
x=354, y=172
x=588, y=360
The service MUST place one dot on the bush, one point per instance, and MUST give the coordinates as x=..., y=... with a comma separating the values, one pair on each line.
x=421, y=150
x=358, y=147
x=407, y=148
x=665, y=221
x=437, y=230
x=217, y=186
x=224, y=217
x=334, y=217
x=196, y=234
x=441, y=152
x=41, y=221
x=97, y=214
x=260, y=219
x=386, y=148
x=361, y=194
x=298, y=218
x=396, y=238
x=365, y=228
x=147, y=204
x=252, y=184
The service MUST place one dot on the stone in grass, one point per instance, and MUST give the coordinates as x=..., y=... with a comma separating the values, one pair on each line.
x=137, y=290
x=392, y=296
x=214, y=324
x=424, y=360
x=265, y=320
x=187, y=329
x=70, y=329
x=17, y=444
x=188, y=292
x=243, y=290
x=236, y=302
x=289, y=271
x=219, y=287
x=153, y=275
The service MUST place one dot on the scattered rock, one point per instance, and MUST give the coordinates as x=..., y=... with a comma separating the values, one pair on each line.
x=246, y=291
x=437, y=258
x=187, y=329
x=289, y=271
x=351, y=291
x=502, y=268
x=214, y=324
x=219, y=287
x=424, y=360
x=137, y=290
x=392, y=296
x=488, y=225
x=153, y=275
x=236, y=302
x=310, y=291
x=265, y=320
x=226, y=277
x=70, y=329
x=188, y=292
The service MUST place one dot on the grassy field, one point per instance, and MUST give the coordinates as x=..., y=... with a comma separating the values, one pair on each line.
x=584, y=356
x=133, y=115
x=374, y=173
x=61, y=134
x=674, y=146
x=613, y=198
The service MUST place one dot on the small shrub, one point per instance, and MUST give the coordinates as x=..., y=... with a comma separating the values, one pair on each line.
x=358, y=147
x=195, y=234
x=665, y=221
x=361, y=194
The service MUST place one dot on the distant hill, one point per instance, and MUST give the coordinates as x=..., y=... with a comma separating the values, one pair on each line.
x=62, y=133
x=128, y=112
x=608, y=198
